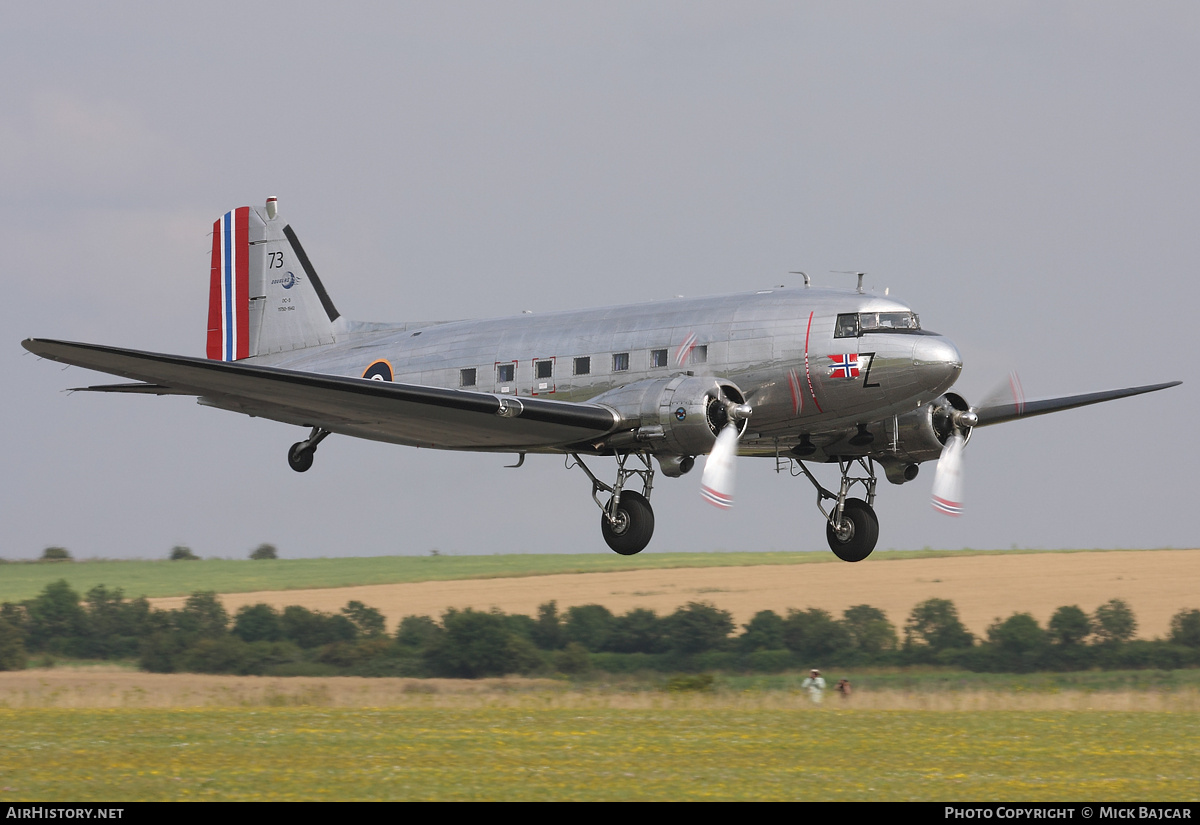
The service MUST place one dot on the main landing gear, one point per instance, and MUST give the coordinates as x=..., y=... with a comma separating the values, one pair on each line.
x=300, y=455
x=851, y=526
x=626, y=519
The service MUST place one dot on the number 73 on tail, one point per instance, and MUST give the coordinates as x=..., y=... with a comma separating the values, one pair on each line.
x=801, y=375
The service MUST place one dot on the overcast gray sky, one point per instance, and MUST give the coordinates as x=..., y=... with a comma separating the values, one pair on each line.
x=1024, y=174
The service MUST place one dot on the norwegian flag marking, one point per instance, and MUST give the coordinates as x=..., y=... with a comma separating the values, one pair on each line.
x=845, y=366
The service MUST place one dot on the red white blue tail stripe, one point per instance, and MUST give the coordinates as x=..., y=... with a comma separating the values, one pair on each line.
x=229, y=288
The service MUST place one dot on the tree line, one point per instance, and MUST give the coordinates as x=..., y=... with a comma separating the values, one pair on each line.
x=201, y=636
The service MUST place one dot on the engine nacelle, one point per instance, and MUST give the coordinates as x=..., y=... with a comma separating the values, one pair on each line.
x=921, y=434
x=676, y=416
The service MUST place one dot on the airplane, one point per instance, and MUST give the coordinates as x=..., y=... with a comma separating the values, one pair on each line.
x=801, y=375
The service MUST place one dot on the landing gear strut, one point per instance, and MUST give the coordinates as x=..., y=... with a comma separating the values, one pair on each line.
x=852, y=527
x=300, y=455
x=626, y=520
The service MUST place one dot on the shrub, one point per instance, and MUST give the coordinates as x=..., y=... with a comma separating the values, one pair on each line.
x=814, y=633
x=368, y=621
x=202, y=615
x=590, y=625
x=417, y=632
x=763, y=632
x=312, y=628
x=572, y=659
x=869, y=629
x=934, y=626
x=638, y=631
x=56, y=554
x=548, y=631
x=1114, y=622
x=180, y=553
x=257, y=623
x=1069, y=626
x=55, y=617
x=1016, y=643
x=12, y=647
x=1185, y=628
x=477, y=644
x=264, y=551
x=698, y=627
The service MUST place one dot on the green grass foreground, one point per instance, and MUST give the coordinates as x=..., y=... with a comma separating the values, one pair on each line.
x=154, y=579
x=531, y=753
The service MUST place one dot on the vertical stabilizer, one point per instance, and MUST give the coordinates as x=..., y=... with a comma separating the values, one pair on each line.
x=264, y=294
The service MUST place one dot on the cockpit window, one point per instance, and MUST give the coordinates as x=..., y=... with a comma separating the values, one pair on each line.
x=847, y=326
x=851, y=325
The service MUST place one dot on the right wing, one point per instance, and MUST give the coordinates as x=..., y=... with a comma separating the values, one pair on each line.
x=410, y=414
x=999, y=413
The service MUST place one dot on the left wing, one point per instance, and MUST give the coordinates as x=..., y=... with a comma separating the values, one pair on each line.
x=379, y=410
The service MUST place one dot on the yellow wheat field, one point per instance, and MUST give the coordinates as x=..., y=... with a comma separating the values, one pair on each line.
x=1155, y=583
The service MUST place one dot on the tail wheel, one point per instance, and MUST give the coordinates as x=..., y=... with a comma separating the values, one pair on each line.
x=855, y=537
x=631, y=526
x=300, y=457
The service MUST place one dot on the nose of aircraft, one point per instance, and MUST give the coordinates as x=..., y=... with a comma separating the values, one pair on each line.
x=937, y=361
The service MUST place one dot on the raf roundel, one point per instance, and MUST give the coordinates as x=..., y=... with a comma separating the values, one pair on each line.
x=379, y=371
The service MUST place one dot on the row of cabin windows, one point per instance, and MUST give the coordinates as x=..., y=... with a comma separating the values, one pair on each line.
x=582, y=365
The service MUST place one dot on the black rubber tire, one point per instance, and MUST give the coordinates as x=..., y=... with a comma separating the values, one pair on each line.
x=635, y=524
x=864, y=532
x=300, y=459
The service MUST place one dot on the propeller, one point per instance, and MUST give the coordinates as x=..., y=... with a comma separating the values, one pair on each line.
x=716, y=483
x=948, y=479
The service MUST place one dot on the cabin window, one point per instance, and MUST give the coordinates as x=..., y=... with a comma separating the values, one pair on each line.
x=466, y=378
x=583, y=365
x=658, y=357
x=699, y=355
x=543, y=369
x=505, y=373
x=620, y=361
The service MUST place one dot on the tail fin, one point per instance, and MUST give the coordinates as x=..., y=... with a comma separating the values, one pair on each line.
x=264, y=295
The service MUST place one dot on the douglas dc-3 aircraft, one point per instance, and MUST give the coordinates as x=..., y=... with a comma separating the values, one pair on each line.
x=799, y=375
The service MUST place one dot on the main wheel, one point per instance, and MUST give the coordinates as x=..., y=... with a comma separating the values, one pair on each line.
x=858, y=531
x=299, y=457
x=633, y=524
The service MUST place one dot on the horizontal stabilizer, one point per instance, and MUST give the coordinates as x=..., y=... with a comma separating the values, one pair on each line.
x=1012, y=410
x=137, y=388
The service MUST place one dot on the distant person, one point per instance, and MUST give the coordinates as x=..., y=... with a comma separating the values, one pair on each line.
x=815, y=686
x=843, y=687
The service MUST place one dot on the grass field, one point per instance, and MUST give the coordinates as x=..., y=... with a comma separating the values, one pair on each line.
x=531, y=749
x=153, y=579
x=24, y=580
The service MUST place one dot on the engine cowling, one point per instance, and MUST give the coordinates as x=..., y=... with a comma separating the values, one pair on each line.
x=919, y=436
x=676, y=416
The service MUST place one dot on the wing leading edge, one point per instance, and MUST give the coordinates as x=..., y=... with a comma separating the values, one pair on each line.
x=989, y=414
x=383, y=411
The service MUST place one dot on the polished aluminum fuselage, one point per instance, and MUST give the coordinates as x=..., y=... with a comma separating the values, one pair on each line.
x=776, y=345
